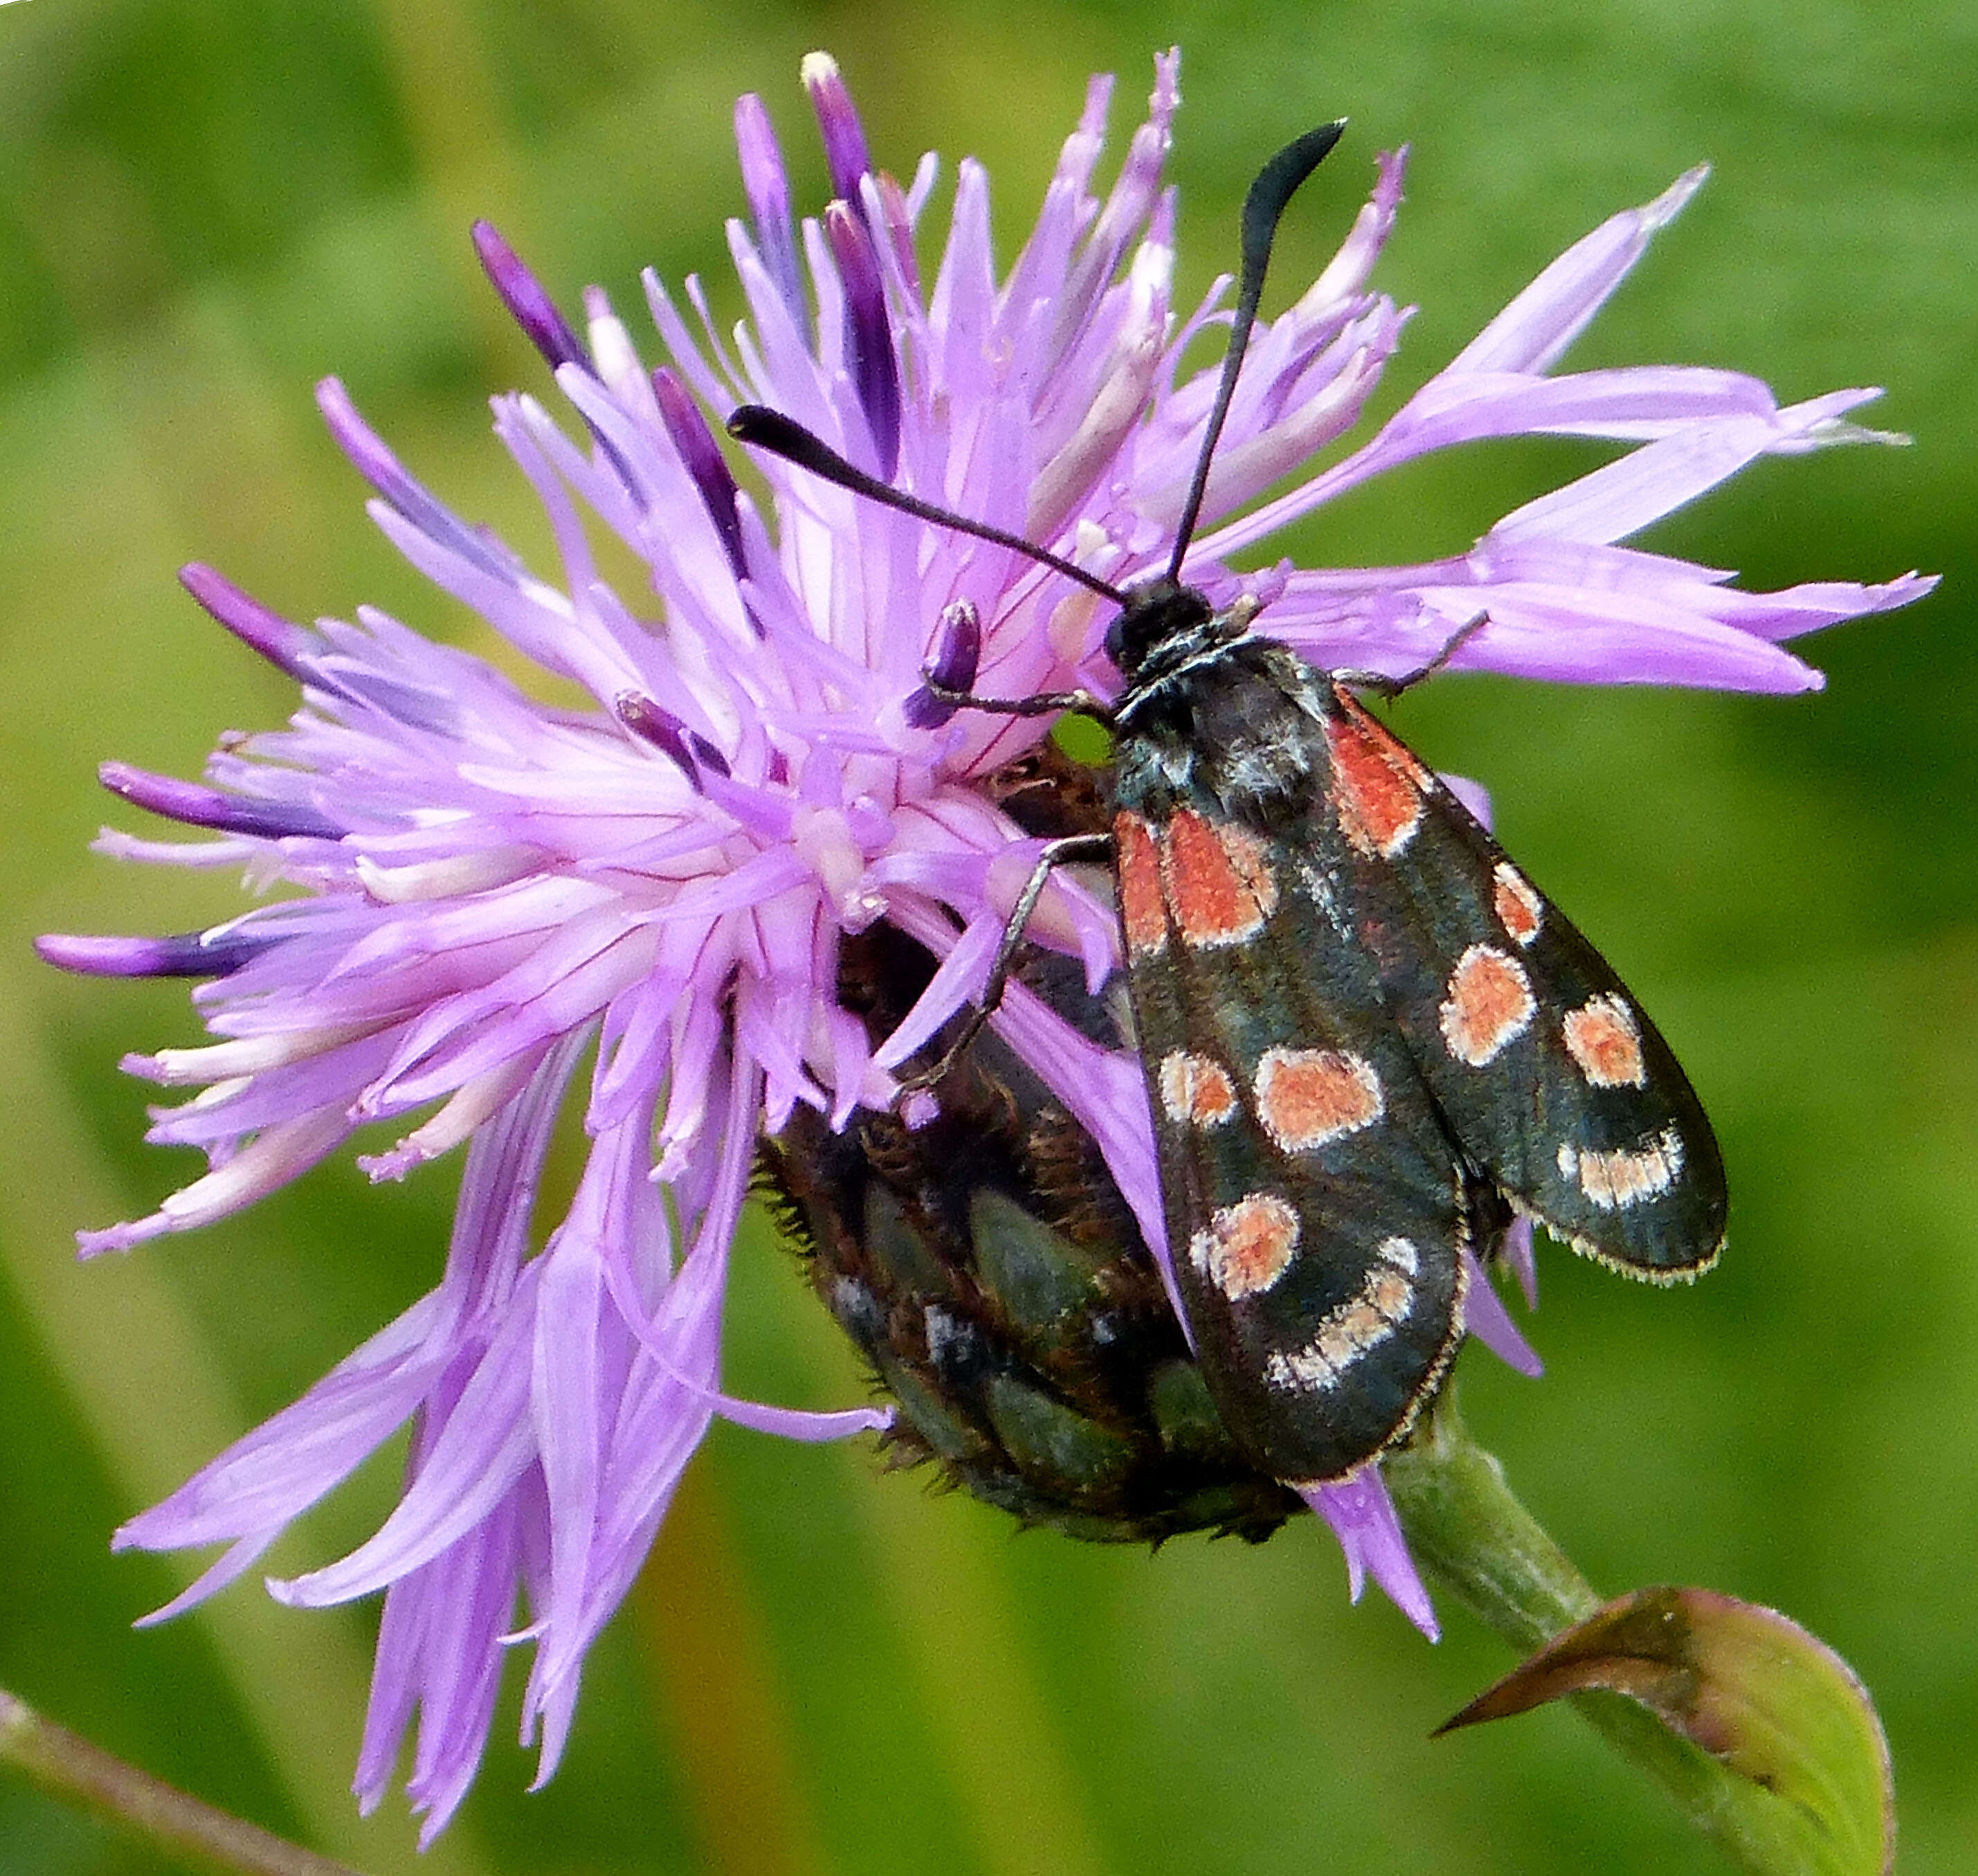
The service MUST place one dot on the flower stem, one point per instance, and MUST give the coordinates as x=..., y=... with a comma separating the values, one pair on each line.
x=1481, y=1546
x=68, y=1767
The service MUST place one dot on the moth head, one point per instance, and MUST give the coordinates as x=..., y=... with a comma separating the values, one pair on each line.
x=1156, y=613
x=1163, y=622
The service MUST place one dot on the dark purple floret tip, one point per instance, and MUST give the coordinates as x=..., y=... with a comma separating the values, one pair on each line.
x=845, y=153
x=868, y=333
x=661, y=728
x=281, y=641
x=187, y=953
x=198, y=805
x=703, y=460
x=707, y=755
x=522, y=293
x=957, y=652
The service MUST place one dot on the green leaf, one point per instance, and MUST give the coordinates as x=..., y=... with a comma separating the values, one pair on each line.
x=1771, y=1702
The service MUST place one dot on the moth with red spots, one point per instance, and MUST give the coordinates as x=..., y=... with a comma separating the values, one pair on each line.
x=1368, y=1039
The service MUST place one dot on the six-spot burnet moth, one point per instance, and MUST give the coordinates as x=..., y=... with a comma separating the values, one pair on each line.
x=1367, y=1038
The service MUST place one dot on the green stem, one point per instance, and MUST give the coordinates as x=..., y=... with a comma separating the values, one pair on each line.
x=67, y=1766
x=1484, y=1548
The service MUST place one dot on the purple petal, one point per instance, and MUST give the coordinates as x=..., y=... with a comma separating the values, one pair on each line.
x=766, y=184
x=704, y=461
x=477, y=1454
x=1517, y=1254
x=795, y=1423
x=381, y=468
x=439, y=1646
x=284, y=643
x=187, y=954
x=236, y=1561
x=1127, y=207
x=1362, y=1517
x=1621, y=498
x=285, y=1465
x=1486, y=1319
x=868, y=335
x=844, y=152
x=959, y=975
x=522, y=293
x=574, y=1352
x=790, y=1423
x=274, y=1158
x=1533, y=332
x=1456, y=407
x=199, y=806
x=1633, y=633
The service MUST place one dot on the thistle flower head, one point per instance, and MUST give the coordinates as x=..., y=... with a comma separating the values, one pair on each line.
x=489, y=908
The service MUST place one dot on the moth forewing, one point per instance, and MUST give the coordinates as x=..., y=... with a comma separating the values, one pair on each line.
x=1317, y=1207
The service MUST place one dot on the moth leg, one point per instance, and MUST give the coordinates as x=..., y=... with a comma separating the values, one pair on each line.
x=1079, y=702
x=1056, y=853
x=1391, y=687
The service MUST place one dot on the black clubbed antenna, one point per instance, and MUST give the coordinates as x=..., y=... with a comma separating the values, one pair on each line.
x=1277, y=182
x=784, y=436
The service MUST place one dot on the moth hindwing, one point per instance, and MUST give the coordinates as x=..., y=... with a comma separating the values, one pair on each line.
x=1367, y=1037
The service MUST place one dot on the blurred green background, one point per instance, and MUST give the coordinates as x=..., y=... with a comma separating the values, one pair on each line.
x=206, y=204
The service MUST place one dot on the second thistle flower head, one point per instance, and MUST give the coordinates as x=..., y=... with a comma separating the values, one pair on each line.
x=494, y=908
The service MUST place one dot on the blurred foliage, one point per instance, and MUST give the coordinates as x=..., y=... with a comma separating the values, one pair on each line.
x=206, y=204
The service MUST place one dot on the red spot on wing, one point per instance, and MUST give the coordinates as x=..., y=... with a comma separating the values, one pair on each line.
x=1306, y=1098
x=1603, y=1038
x=1196, y=1090
x=1377, y=785
x=1519, y=909
x=1142, y=913
x=1218, y=880
x=1247, y=1247
x=1490, y=1002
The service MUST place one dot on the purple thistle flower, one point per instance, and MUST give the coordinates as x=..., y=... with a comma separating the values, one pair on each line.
x=485, y=893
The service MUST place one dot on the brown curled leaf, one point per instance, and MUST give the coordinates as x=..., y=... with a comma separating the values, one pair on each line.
x=1774, y=1704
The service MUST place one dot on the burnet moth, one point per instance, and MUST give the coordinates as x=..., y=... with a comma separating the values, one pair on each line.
x=1368, y=1039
